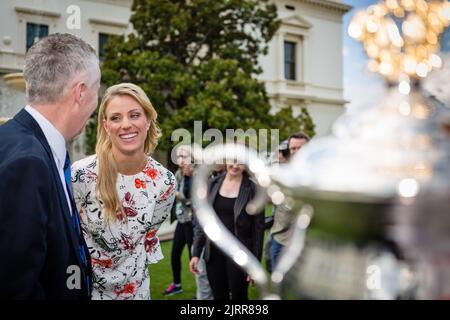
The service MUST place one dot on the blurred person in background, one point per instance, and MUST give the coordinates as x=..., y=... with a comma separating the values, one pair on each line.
x=229, y=193
x=283, y=216
x=282, y=157
x=182, y=213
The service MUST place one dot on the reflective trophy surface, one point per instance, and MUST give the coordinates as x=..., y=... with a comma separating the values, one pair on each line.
x=372, y=200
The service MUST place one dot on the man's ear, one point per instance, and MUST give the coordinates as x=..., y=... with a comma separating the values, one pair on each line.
x=79, y=91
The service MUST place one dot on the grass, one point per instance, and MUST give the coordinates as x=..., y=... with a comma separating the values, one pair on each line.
x=161, y=274
x=161, y=277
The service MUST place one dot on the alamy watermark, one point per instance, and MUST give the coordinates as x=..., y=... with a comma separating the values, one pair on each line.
x=264, y=141
x=73, y=277
x=73, y=21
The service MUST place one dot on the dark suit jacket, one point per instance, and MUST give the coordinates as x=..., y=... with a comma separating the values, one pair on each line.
x=249, y=229
x=38, y=247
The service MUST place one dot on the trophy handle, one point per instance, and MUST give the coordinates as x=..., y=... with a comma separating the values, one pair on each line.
x=211, y=224
x=294, y=249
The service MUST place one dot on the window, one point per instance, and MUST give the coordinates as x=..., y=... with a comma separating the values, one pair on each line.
x=102, y=40
x=35, y=32
x=289, y=60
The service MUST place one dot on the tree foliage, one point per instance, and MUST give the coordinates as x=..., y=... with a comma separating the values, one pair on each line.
x=197, y=60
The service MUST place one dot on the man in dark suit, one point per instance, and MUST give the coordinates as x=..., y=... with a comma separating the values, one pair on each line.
x=42, y=251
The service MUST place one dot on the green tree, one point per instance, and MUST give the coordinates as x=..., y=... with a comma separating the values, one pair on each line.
x=197, y=60
x=306, y=124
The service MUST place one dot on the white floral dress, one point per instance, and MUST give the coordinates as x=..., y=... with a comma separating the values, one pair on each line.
x=121, y=251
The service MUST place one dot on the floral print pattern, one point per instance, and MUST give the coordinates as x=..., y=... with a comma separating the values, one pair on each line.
x=121, y=251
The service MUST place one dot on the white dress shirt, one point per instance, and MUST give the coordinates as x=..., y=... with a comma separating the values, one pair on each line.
x=57, y=144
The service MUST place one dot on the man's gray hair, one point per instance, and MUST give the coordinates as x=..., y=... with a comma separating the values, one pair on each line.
x=52, y=63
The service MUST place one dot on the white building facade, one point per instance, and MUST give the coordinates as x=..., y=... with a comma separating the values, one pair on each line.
x=302, y=69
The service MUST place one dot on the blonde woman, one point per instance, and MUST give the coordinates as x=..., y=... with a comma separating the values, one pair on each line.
x=123, y=195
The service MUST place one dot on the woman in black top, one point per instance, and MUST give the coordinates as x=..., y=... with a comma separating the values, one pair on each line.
x=229, y=193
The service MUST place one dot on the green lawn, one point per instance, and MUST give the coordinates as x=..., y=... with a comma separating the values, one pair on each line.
x=161, y=274
x=161, y=277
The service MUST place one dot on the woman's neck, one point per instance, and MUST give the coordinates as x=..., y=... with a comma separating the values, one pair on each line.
x=231, y=178
x=230, y=186
x=130, y=164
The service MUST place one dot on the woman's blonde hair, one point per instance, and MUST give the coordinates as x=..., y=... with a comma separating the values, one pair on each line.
x=107, y=168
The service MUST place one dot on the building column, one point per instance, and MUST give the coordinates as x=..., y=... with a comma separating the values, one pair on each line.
x=279, y=56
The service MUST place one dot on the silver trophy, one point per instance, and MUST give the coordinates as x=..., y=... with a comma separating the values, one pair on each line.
x=372, y=200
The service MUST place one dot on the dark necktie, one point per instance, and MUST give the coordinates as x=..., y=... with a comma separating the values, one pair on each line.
x=74, y=218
